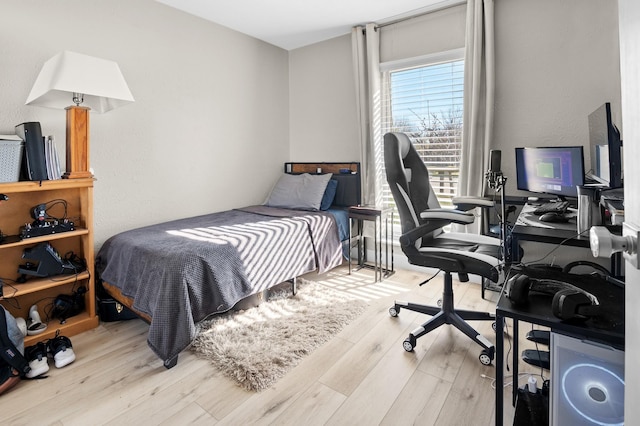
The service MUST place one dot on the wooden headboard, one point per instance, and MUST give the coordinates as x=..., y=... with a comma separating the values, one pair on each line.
x=348, y=192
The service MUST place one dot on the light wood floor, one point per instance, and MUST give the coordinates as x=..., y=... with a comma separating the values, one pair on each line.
x=362, y=376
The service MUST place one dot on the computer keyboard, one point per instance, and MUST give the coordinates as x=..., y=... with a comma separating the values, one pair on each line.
x=552, y=207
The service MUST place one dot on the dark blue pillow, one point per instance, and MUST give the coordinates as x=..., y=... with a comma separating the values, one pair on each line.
x=329, y=194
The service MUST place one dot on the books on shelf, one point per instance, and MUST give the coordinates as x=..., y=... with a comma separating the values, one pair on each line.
x=52, y=159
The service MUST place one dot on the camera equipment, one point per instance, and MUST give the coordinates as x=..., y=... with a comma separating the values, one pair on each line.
x=49, y=262
x=66, y=306
x=46, y=224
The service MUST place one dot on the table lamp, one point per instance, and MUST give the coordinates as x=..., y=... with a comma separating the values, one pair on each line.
x=89, y=83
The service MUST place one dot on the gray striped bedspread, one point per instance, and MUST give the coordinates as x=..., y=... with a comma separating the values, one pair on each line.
x=183, y=271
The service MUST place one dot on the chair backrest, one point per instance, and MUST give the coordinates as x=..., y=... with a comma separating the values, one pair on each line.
x=408, y=180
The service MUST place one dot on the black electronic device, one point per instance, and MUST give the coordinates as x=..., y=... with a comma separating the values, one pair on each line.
x=48, y=262
x=573, y=305
x=44, y=223
x=66, y=306
x=494, y=174
x=542, y=337
x=34, y=165
x=537, y=358
x=552, y=207
x=46, y=228
x=569, y=302
x=556, y=170
x=495, y=158
x=553, y=217
x=605, y=148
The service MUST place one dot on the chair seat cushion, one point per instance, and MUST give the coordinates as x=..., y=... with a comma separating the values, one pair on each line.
x=478, y=253
x=472, y=243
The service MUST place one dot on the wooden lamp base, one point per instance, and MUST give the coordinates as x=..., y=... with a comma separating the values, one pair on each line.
x=77, y=143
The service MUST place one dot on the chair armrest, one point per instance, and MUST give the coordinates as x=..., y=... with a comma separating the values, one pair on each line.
x=448, y=215
x=469, y=202
x=435, y=219
x=408, y=239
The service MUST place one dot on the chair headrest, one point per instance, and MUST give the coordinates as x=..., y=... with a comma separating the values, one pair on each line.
x=404, y=144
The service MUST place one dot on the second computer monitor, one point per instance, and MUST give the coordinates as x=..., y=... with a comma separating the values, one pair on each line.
x=550, y=170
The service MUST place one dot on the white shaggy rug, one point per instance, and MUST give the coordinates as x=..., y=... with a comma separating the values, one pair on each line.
x=258, y=346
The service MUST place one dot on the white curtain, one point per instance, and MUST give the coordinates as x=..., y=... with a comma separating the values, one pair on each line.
x=479, y=87
x=365, y=43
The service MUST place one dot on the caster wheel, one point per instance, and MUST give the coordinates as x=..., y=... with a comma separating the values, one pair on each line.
x=409, y=344
x=485, y=358
x=393, y=311
x=494, y=326
x=439, y=303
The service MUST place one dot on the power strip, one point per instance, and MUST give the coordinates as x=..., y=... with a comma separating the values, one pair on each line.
x=48, y=228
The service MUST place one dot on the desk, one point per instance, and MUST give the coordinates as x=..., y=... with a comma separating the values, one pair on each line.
x=529, y=228
x=378, y=217
x=608, y=329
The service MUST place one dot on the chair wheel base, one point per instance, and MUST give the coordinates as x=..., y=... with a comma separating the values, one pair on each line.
x=409, y=344
x=486, y=356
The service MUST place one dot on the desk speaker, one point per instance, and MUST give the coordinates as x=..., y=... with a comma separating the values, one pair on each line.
x=587, y=382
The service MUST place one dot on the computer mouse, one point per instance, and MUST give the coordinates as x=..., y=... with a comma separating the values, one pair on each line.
x=553, y=217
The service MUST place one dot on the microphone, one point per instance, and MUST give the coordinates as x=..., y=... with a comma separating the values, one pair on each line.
x=495, y=158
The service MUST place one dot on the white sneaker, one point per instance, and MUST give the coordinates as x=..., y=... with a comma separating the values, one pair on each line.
x=62, y=351
x=37, y=357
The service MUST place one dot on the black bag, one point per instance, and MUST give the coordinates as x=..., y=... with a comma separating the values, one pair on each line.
x=13, y=365
x=111, y=310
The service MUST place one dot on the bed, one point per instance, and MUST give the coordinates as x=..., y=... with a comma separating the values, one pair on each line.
x=178, y=273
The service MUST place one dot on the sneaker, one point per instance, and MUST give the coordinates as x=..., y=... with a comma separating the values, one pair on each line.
x=36, y=355
x=61, y=350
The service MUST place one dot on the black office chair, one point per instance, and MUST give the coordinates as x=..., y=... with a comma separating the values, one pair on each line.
x=426, y=244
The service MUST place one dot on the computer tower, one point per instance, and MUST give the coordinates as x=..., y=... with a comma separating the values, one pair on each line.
x=587, y=382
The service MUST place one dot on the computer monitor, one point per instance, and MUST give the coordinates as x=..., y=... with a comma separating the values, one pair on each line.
x=550, y=170
x=605, y=148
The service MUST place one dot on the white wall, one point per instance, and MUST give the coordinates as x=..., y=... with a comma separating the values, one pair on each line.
x=630, y=71
x=556, y=62
x=323, y=119
x=209, y=129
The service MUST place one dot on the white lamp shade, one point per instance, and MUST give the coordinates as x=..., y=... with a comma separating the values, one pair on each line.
x=99, y=80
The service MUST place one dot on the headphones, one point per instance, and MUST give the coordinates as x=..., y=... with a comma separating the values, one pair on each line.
x=569, y=302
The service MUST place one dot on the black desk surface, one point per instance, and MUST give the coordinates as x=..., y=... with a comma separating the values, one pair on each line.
x=529, y=228
x=608, y=327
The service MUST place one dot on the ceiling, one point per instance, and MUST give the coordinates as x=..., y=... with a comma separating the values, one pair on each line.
x=290, y=24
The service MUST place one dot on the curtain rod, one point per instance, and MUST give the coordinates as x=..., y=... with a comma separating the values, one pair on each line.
x=434, y=8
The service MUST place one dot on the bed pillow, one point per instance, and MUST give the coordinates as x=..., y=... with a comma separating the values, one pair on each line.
x=303, y=192
x=329, y=195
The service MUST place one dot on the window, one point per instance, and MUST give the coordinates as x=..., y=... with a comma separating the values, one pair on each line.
x=423, y=97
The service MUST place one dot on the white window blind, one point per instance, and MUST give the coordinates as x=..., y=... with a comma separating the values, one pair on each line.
x=426, y=102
